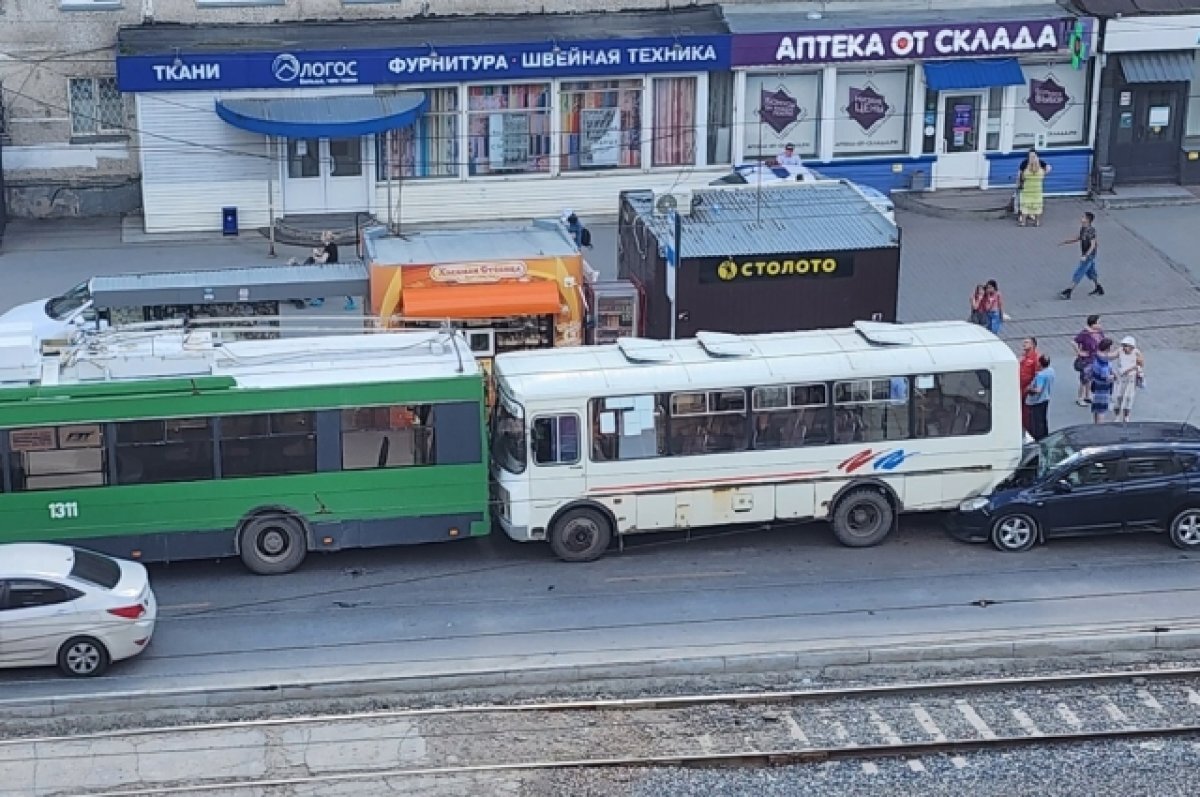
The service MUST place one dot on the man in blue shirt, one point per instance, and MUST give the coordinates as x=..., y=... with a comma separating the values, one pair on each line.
x=1037, y=396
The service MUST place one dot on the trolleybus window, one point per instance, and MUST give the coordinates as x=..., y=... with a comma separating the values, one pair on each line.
x=387, y=437
x=270, y=444
x=53, y=457
x=154, y=452
x=556, y=440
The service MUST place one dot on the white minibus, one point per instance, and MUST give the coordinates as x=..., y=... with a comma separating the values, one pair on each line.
x=853, y=426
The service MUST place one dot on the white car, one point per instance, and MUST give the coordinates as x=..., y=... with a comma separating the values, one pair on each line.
x=760, y=174
x=54, y=318
x=72, y=608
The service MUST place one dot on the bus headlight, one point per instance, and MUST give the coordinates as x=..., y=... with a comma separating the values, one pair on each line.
x=973, y=505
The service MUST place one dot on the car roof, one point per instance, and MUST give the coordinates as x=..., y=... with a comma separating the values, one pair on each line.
x=1112, y=434
x=32, y=559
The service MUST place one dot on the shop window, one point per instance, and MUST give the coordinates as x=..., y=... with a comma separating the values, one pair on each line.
x=387, y=437
x=1051, y=107
x=872, y=112
x=602, y=124
x=96, y=106
x=952, y=404
x=674, y=142
x=995, y=111
x=54, y=457
x=269, y=444
x=870, y=410
x=156, y=452
x=782, y=109
x=427, y=148
x=509, y=128
x=720, y=117
x=1193, y=111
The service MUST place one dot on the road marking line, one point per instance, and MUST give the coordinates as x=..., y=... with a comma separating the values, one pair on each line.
x=1149, y=700
x=958, y=761
x=974, y=719
x=1069, y=716
x=1113, y=710
x=915, y=765
x=182, y=606
x=664, y=577
x=1026, y=722
x=927, y=724
x=889, y=735
x=795, y=730
x=869, y=768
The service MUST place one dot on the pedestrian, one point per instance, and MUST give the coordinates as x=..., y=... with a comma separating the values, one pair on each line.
x=1086, y=344
x=1100, y=375
x=1087, y=260
x=1129, y=366
x=992, y=306
x=325, y=254
x=978, y=314
x=1032, y=190
x=788, y=157
x=1028, y=369
x=1037, y=399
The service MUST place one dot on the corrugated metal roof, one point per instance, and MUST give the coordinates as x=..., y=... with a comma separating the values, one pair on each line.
x=777, y=17
x=232, y=277
x=545, y=239
x=809, y=217
x=1168, y=67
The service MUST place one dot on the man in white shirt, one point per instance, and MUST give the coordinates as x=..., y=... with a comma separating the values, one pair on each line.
x=789, y=156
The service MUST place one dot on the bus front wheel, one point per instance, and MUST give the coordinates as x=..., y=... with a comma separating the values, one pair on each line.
x=580, y=535
x=863, y=518
x=273, y=543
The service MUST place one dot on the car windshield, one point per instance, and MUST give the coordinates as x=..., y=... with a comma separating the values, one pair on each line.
x=508, y=436
x=1053, y=451
x=95, y=569
x=60, y=307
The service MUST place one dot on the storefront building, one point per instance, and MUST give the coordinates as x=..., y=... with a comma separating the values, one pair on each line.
x=1150, y=115
x=420, y=120
x=917, y=100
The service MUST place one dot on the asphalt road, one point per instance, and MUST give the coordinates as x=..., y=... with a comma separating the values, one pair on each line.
x=476, y=603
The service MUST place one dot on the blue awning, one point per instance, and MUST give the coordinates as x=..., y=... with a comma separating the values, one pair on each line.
x=981, y=74
x=324, y=117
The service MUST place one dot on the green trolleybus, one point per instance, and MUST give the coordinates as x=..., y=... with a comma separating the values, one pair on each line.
x=164, y=445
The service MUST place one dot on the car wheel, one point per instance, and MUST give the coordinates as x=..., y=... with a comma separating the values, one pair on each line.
x=273, y=543
x=82, y=657
x=863, y=518
x=580, y=535
x=1185, y=529
x=1014, y=533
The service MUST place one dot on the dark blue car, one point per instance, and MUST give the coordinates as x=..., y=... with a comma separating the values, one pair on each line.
x=1100, y=478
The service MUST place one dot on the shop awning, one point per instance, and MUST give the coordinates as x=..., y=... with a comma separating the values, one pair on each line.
x=495, y=300
x=323, y=117
x=973, y=74
x=1168, y=67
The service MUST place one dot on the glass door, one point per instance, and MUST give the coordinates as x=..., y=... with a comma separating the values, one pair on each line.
x=324, y=175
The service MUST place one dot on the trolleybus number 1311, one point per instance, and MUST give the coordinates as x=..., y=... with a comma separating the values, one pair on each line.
x=60, y=510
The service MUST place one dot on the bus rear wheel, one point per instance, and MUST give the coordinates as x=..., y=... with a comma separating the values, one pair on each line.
x=580, y=535
x=273, y=543
x=862, y=518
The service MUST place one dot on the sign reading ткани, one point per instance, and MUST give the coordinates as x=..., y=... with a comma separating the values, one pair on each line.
x=941, y=40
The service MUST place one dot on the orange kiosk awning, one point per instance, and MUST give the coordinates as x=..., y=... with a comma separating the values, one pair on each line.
x=495, y=300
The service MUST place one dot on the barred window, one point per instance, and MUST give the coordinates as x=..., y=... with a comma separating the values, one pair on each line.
x=97, y=107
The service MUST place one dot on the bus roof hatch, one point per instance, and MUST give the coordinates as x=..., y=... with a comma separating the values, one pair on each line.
x=879, y=333
x=723, y=344
x=641, y=350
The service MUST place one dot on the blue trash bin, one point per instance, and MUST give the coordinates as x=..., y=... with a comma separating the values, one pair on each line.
x=229, y=221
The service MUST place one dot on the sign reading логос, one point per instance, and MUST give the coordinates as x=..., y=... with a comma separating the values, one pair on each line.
x=773, y=268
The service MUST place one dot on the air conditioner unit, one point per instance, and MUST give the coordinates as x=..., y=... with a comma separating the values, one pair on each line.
x=677, y=201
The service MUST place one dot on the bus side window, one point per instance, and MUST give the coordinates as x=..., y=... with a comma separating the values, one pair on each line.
x=556, y=440
x=628, y=427
x=953, y=404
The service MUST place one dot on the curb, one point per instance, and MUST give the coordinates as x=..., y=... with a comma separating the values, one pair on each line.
x=910, y=201
x=1002, y=650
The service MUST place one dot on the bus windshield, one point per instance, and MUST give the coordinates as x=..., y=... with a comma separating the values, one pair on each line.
x=508, y=437
x=61, y=307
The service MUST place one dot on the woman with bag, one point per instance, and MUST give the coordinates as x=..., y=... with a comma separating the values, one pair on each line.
x=1032, y=186
x=1130, y=367
x=1086, y=344
x=978, y=315
x=1101, y=378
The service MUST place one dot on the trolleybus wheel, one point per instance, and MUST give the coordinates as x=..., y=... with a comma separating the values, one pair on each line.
x=273, y=543
x=862, y=518
x=580, y=535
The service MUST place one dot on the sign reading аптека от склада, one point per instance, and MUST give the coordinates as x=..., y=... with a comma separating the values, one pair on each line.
x=184, y=71
x=930, y=41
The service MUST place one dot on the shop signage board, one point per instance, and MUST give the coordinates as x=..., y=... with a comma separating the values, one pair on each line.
x=911, y=42
x=184, y=71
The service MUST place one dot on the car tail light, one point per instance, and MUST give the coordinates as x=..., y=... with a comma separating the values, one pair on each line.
x=129, y=612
